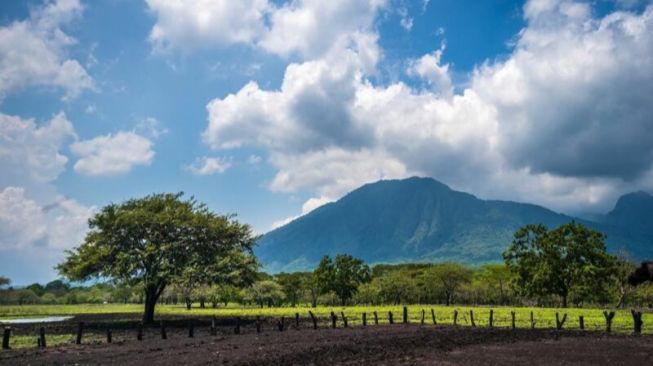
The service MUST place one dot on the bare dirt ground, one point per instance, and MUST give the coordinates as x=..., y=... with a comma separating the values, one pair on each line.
x=373, y=345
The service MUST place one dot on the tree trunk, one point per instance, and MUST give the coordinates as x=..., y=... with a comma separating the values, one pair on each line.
x=189, y=303
x=152, y=293
x=564, y=301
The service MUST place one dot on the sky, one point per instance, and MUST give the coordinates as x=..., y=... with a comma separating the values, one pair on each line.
x=271, y=108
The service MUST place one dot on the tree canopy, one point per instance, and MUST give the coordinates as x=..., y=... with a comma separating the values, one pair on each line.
x=159, y=240
x=569, y=259
x=342, y=275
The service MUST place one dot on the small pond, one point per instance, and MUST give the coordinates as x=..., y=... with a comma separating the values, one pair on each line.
x=48, y=319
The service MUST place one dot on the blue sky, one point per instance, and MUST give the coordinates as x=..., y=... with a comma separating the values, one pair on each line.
x=269, y=109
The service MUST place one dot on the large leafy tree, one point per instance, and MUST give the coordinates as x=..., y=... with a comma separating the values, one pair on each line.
x=342, y=275
x=159, y=240
x=569, y=259
x=447, y=279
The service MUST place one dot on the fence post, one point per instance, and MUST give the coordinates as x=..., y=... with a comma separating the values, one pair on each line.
x=109, y=336
x=455, y=317
x=471, y=317
x=5, y=338
x=164, y=334
x=313, y=319
x=512, y=316
x=282, y=323
x=390, y=319
x=364, y=319
x=344, y=319
x=297, y=320
x=213, y=329
x=581, y=322
x=258, y=324
x=80, y=330
x=191, y=329
x=423, y=315
x=42, y=337
x=405, y=315
x=637, y=320
x=237, y=329
x=139, y=334
x=333, y=320
x=608, y=320
x=376, y=318
x=532, y=321
x=560, y=322
x=433, y=316
x=491, y=323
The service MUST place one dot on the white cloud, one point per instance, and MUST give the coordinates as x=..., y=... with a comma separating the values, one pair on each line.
x=187, y=24
x=29, y=153
x=308, y=206
x=112, y=154
x=305, y=27
x=24, y=223
x=33, y=52
x=563, y=121
x=208, y=166
x=150, y=127
x=254, y=159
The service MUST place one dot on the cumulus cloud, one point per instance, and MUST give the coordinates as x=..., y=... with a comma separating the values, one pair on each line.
x=305, y=27
x=562, y=121
x=208, y=166
x=25, y=223
x=112, y=154
x=307, y=207
x=33, y=52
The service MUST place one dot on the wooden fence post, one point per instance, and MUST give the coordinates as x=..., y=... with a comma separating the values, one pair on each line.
x=581, y=322
x=423, y=316
x=213, y=330
x=5, y=338
x=471, y=317
x=455, y=317
x=109, y=336
x=608, y=320
x=191, y=329
x=282, y=323
x=297, y=320
x=42, y=337
x=376, y=318
x=164, y=334
x=139, y=334
x=560, y=322
x=390, y=317
x=637, y=320
x=80, y=330
x=405, y=315
x=433, y=316
x=334, y=319
x=237, y=329
x=532, y=321
x=512, y=318
x=364, y=319
x=344, y=319
x=491, y=323
x=258, y=324
x=313, y=319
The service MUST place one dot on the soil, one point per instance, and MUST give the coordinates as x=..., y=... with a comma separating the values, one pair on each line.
x=372, y=345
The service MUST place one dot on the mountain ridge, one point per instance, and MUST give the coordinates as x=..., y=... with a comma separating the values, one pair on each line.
x=420, y=219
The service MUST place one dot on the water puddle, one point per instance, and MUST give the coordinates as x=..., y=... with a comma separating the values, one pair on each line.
x=48, y=319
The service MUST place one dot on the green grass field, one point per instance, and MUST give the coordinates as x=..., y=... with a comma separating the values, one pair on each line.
x=544, y=317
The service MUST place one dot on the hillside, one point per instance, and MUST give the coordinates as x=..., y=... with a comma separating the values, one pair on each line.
x=421, y=219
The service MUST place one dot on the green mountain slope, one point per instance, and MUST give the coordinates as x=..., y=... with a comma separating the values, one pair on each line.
x=415, y=219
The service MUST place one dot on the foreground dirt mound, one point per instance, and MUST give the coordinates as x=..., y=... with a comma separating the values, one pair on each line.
x=377, y=345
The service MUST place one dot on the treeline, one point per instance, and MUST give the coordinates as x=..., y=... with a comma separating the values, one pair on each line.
x=443, y=283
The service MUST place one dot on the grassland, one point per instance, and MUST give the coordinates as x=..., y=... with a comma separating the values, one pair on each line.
x=544, y=317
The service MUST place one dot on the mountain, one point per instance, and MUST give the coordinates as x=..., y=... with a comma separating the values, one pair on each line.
x=421, y=219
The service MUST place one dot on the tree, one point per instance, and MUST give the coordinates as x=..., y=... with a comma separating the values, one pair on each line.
x=447, y=278
x=160, y=240
x=292, y=286
x=342, y=275
x=623, y=269
x=265, y=292
x=396, y=287
x=557, y=262
x=4, y=282
x=495, y=279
